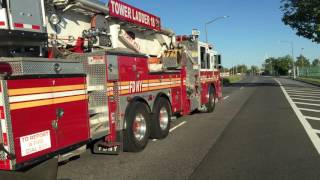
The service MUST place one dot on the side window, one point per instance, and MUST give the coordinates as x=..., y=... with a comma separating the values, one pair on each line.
x=212, y=62
x=208, y=61
x=217, y=61
x=2, y=4
x=203, y=57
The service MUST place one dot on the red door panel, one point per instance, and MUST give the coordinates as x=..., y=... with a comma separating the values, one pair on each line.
x=32, y=122
x=71, y=109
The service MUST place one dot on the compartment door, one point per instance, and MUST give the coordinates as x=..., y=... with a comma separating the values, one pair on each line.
x=71, y=110
x=31, y=115
x=26, y=15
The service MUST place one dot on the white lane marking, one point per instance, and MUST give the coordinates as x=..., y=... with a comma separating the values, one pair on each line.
x=172, y=129
x=226, y=97
x=242, y=87
x=177, y=126
x=303, y=99
x=305, y=96
x=306, y=109
x=312, y=118
x=310, y=104
x=306, y=93
x=301, y=89
x=308, y=128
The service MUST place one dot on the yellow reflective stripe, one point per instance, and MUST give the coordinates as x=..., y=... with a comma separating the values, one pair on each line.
x=124, y=83
x=154, y=81
x=159, y=87
x=110, y=93
x=24, y=91
x=124, y=92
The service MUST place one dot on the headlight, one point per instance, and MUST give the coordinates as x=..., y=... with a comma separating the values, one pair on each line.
x=54, y=19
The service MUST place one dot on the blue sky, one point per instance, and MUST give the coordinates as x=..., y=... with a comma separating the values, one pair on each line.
x=253, y=30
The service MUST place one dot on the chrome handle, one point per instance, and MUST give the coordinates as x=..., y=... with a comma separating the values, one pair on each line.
x=54, y=124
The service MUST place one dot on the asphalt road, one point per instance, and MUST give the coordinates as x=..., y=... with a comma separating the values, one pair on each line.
x=256, y=132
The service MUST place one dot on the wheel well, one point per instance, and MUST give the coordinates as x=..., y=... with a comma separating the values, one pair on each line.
x=135, y=99
x=139, y=99
x=163, y=95
x=213, y=86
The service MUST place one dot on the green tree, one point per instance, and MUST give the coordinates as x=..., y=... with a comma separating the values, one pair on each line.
x=225, y=69
x=269, y=65
x=316, y=62
x=278, y=66
x=302, y=61
x=303, y=16
x=254, y=69
x=242, y=68
x=284, y=64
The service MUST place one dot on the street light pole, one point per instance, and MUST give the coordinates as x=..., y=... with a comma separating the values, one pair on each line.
x=292, y=55
x=209, y=22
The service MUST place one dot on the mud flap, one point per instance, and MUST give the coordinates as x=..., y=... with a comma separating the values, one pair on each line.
x=102, y=147
x=45, y=171
x=111, y=148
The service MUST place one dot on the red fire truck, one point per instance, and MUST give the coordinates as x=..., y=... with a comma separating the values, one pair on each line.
x=88, y=73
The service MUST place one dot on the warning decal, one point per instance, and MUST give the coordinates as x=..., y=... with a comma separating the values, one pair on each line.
x=35, y=142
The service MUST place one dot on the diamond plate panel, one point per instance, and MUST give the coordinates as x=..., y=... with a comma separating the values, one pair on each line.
x=43, y=66
x=95, y=67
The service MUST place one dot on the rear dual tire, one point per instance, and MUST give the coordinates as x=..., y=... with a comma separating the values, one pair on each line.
x=212, y=100
x=137, y=132
x=161, y=120
x=140, y=124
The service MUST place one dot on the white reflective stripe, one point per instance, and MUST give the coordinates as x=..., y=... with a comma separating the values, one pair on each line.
x=160, y=84
x=33, y=97
x=176, y=82
x=124, y=87
x=110, y=88
x=3, y=126
x=27, y=26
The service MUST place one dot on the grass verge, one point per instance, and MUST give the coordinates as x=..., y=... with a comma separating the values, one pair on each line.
x=315, y=81
x=231, y=79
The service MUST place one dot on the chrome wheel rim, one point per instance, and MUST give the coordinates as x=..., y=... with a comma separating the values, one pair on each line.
x=163, y=118
x=139, y=127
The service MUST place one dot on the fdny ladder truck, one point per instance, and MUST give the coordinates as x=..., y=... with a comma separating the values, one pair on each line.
x=76, y=74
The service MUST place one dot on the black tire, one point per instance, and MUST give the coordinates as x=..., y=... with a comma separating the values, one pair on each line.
x=130, y=142
x=212, y=100
x=160, y=130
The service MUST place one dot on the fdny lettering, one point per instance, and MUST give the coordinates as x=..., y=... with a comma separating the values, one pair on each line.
x=135, y=86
